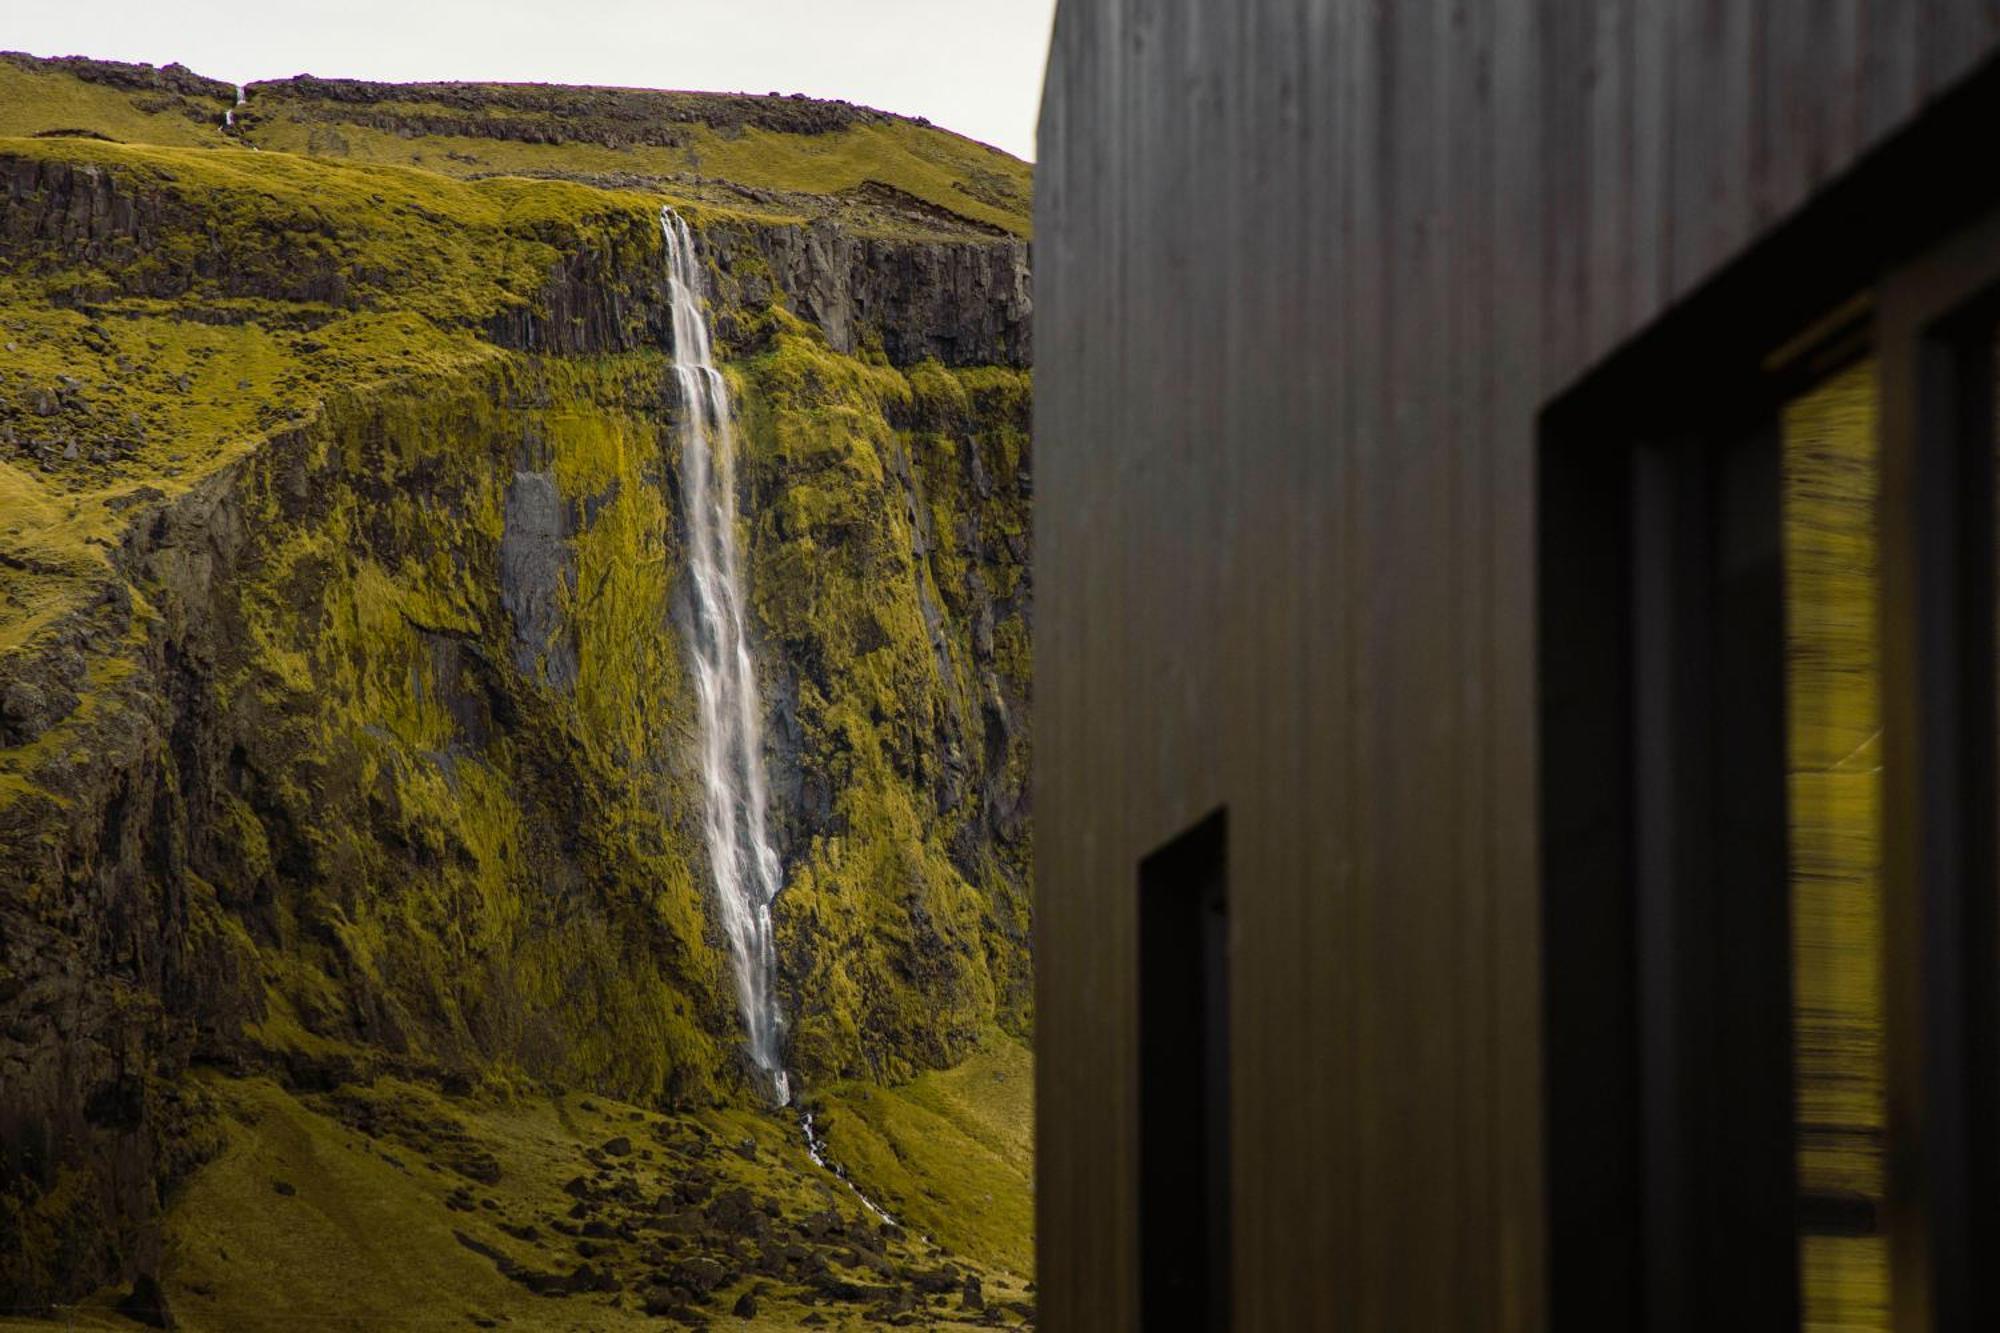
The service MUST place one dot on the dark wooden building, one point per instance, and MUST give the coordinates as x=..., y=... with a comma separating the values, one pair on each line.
x=1515, y=665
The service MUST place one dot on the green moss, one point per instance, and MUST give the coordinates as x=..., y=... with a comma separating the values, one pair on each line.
x=909, y=950
x=484, y=922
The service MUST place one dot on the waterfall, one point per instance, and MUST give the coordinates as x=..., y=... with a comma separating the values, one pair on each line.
x=725, y=678
x=229, y=116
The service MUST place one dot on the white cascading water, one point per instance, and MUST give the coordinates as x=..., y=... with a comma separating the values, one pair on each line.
x=732, y=736
x=817, y=1152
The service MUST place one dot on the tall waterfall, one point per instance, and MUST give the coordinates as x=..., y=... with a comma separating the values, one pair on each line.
x=732, y=737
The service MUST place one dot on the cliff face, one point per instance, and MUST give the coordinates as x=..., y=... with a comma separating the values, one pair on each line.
x=909, y=299
x=344, y=727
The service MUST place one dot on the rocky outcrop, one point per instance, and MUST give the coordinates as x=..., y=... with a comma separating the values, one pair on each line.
x=175, y=79
x=963, y=303
x=537, y=574
x=62, y=213
x=107, y=947
x=135, y=235
x=551, y=113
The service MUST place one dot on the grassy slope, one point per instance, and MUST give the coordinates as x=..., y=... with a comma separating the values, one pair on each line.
x=950, y=1153
x=922, y=162
x=345, y=1209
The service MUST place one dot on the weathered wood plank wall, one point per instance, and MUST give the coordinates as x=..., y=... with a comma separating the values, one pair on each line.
x=1306, y=272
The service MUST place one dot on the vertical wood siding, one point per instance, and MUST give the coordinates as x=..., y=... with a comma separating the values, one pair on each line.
x=1306, y=272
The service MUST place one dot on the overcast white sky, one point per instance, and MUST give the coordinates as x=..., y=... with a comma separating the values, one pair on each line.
x=974, y=66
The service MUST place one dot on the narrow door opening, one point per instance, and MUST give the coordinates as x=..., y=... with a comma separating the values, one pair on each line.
x=1184, y=1197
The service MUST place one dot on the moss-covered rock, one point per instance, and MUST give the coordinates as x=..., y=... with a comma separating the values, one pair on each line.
x=344, y=731
x=891, y=580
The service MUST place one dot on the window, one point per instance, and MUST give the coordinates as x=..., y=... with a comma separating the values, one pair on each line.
x=1767, y=577
x=1184, y=1198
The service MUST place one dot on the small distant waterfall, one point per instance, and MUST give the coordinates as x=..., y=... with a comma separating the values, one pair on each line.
x=229, y=121
x=732, y=737
x=817, y=1152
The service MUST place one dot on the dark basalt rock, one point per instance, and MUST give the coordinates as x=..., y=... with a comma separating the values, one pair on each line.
x=553, y=113
x=961, y=302
x=57, y=215
x=146, y=1303
x=537, y=569
x=172, y=78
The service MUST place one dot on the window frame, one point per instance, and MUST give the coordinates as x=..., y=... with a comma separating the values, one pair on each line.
x=1938, y=330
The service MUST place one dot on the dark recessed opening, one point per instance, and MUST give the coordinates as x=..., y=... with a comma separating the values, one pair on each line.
x=1184, y=1197
x=1665, y=915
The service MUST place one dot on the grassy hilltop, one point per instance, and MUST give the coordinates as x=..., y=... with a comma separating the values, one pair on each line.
x=782, y=157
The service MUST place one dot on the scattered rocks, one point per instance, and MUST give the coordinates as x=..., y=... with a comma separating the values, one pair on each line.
x=699, y=1275
x=584, y=1278
x=734, y=1211
x=665, y=1303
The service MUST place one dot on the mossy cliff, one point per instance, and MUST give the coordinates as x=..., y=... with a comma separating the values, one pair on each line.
x=344, y=729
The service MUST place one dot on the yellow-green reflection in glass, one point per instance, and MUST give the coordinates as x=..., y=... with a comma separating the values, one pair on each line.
x=1834, y=703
